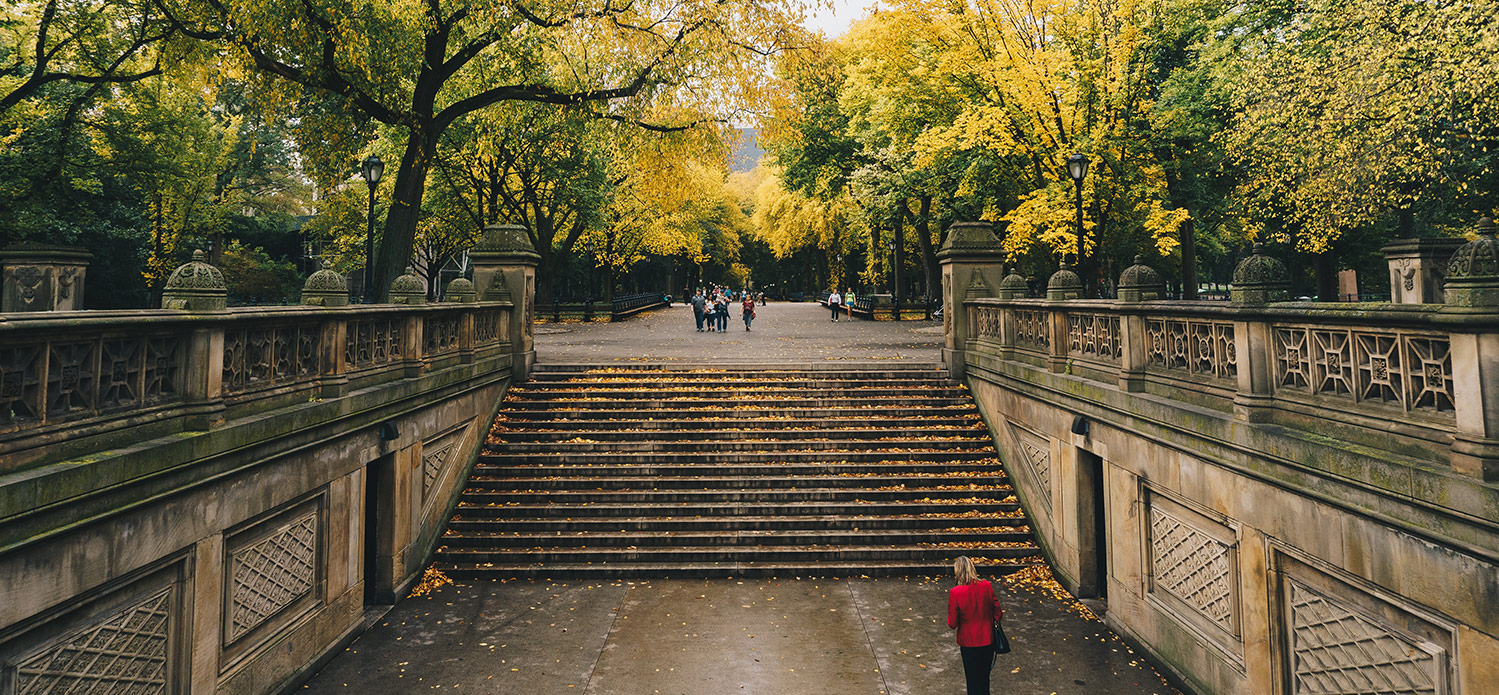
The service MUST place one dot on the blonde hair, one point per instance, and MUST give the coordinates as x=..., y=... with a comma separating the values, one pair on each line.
x=965, y=571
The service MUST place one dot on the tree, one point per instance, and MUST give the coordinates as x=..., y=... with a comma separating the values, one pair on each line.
x=420, y=66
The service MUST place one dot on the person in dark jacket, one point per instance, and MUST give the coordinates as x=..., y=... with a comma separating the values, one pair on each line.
x=698, y=304
x=972, y=610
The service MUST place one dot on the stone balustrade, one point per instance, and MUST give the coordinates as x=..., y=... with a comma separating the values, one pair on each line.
x=76, y=376
x=1383, y=372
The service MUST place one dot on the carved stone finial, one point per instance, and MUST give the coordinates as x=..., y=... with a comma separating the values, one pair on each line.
x=1473, y=271
x=1063, y=285
x=1260, y=279
x=196, y=286
x=460, y=290
x=1140, y=283
x=408, y=288
x=325, y=288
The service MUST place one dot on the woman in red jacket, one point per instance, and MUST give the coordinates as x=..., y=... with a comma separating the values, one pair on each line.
x=972, y=609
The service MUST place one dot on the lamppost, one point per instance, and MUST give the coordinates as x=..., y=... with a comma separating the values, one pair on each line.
x=1077, y=168
x=371, y=169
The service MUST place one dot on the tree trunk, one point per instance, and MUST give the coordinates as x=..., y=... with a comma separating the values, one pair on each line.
x=928, y=254
x=1327, y=277
x=394, y=250
x=1189, y=260
x=898, y=241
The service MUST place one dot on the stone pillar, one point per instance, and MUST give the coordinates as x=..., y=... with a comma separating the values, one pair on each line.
x=1258, y=280
x=1063, y=285
x=1138, y=283
x=505, y=268
x=1418, y=268
x=970, y=258
x=42, y=278
x=199, y=287
x=1472, y=294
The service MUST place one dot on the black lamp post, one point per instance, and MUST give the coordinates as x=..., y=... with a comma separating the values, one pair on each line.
x=1078, y=168
x=371, y=169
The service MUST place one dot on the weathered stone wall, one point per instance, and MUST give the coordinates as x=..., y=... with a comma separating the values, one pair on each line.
x=1281, y=498
x=224, y=535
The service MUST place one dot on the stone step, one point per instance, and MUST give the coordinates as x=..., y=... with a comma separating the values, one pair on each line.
x=757, y=412
x=476, y=510
x=735, y=496
x=727, y=434
x=543, y=371
x=777, y=403
x=721, y=570
x=491, y=470
x=761, y=392
x=577, y=539
x=672, y=382
x=485, y=482
x=722, y=553
x=725, y=446
x=560, y=428
x=727, y=457
x=741, y=524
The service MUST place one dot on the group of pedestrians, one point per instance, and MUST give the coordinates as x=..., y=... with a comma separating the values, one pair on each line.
x=710, y=308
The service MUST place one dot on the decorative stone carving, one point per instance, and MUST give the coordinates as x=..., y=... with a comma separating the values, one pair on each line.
x=1063, y=285
x=1093, y=336
x=977, y=288
x=1260, y=279
x=1473, y=272
x=1033, y=329
x=497, y=291
x=325, y=288
x=460, y=290
x=1140, y=283
x=965, y=238
x=986, y=322
x=39, y=277
x=272, y=573
x=1036, y=451
x=20, y=384
x=270, y=355
x=1406, y=370
x=1418, y=268
x=408, y=288
x=1192, y=566
x=433, y=461
x=1335, y=650
x=1203, y=348
x=1014, y=286
x=440, y=334
x=196, y=286
x=128, y=652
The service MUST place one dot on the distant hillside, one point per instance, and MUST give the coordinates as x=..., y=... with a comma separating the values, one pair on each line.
x=747, y=152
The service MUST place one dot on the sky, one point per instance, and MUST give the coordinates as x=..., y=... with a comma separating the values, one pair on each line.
x=833, y=22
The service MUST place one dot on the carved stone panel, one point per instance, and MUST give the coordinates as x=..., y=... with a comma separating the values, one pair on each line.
x=1192, y=566
x=437, y=455
x=1036, y=450
x=127, y=652
x=1335, y=649
x=271, y=573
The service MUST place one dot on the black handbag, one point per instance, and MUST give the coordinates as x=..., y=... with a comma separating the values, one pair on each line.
x=1001, y=642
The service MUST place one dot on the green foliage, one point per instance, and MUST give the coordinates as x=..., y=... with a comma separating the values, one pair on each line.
x=253, y=277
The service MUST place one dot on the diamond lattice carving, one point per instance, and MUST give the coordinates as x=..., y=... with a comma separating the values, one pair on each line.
x=1336, y=651
x=273, y=573
x=1038, y=454
x=432, y=463
x=126, y=654
x=1192, y=566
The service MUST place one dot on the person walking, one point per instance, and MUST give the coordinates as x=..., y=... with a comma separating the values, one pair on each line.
x=747, y=310
x=834, y=302
x=973, y=610
x=721, y=313
x=698, y=304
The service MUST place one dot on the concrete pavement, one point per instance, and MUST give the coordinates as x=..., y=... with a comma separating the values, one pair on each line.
x=697, y=637
x=782, y=331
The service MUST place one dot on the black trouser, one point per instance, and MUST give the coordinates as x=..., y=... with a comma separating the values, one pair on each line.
x=976, y=661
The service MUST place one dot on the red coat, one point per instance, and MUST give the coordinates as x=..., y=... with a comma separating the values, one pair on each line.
x=972, y=608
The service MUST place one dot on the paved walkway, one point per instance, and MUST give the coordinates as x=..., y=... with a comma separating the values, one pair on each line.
x=782, y=331
x=696, y=637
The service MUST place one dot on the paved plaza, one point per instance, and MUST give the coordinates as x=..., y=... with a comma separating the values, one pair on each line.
x=782, y=332
x=697, y=637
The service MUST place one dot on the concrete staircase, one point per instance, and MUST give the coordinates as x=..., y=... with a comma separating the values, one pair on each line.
x=638, y=471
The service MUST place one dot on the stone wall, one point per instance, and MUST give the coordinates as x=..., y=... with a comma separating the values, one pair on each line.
x=211, y=502
x=1271, y=498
